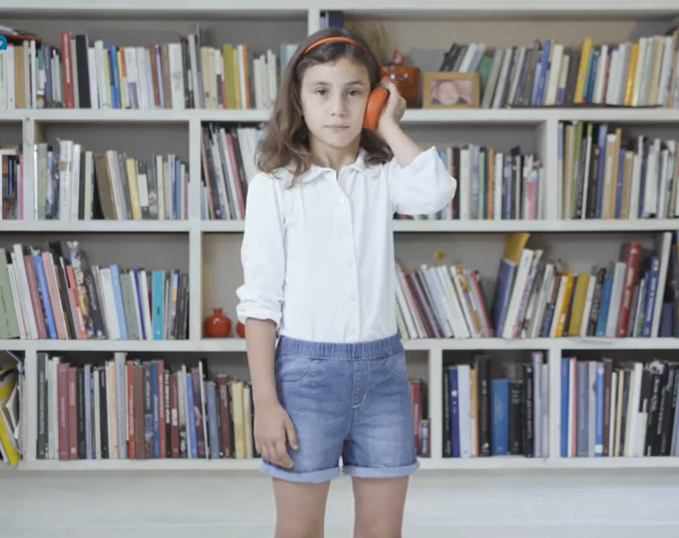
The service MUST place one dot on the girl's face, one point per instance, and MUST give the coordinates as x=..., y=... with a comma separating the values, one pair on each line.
x=334, y=97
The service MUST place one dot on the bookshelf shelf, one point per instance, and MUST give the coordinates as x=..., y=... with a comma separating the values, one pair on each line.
x=496, y=463
x=500, y=116
x=538, y=226
x=612, y=226
x=520, y=463
x=626, y=9
x=95, y=226
x=147, y=116
x=133, y=346
x=234, y=344
x=171, y=465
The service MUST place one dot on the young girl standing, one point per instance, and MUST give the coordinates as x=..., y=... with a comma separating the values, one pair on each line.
x=318, y=301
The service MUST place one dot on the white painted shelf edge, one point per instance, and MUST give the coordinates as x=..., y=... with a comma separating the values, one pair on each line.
x=426, y=464
x=400, y=226
x=519, y=116
x=231, y=345
x=264, y=8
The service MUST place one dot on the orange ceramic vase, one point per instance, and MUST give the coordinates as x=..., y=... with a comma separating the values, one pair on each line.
x=217, y=325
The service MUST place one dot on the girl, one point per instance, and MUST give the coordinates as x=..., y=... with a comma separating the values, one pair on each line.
x=327, y=365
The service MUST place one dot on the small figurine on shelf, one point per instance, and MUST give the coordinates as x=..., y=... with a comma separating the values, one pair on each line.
x=405, y=77
x=217, y=325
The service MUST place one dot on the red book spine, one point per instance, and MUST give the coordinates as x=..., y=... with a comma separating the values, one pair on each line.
x=225, y=415
x=161, y=408
x=131, y=453
x=630, y=253
x=67, y=69
x=72, y=413
x=174, y=414
x=63, y=409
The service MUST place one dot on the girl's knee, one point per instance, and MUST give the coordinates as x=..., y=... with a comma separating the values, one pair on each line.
x=378, y=528
x=287, y=527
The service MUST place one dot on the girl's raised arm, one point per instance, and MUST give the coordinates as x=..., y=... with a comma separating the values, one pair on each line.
x=419, y=181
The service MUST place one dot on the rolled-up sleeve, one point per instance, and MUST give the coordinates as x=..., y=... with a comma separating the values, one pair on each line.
x=423, y=187
x=262, y=253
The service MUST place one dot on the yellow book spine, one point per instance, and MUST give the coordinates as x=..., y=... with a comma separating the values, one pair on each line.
x=132, y=184
x=568, y=286
x=246, y=75
x=122, y=77
x=582, y=70
x=633, y=61
x=578, y=304
x=107, y=80
x=235, y=77
x=229, y=83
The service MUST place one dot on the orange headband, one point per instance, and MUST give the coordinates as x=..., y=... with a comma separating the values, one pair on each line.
x=334, y=38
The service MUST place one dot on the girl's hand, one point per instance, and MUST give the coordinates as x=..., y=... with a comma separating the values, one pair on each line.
x=393, y=109
x=273, y=431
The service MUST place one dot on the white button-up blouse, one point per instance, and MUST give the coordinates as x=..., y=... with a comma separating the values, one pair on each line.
x=318, y=258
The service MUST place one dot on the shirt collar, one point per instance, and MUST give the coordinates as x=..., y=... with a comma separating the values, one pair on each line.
x=360, y=166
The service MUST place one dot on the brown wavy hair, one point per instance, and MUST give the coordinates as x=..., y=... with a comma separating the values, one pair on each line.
x=285, y=142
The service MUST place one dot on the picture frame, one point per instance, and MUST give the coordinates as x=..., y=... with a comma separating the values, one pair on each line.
x=448, y=89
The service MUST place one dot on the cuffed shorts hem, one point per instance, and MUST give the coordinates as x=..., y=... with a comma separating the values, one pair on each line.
x=380, y=472
x=310, y=477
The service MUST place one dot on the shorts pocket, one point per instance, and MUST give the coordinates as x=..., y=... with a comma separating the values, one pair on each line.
x=396, y=365
x=294, y=369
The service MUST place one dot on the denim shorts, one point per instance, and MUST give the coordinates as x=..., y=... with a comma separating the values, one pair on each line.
x=348, y=401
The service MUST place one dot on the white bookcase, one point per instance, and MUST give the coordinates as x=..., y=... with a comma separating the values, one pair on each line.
x=209, y=250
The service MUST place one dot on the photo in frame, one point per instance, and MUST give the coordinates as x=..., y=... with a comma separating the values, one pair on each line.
x=446, y=89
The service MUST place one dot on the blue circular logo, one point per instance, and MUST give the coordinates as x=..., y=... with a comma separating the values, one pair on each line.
x=3, y=42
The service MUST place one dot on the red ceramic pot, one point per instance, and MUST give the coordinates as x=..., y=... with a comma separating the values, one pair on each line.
x=217, y=325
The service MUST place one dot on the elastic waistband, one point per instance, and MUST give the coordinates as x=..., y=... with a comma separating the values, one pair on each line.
x=372, y=349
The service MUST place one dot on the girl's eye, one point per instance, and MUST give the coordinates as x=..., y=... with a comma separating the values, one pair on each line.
x=321, y=92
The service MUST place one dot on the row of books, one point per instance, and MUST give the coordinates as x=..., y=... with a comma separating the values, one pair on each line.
x=227, y=166
x=439, y=301
x=130, y=408
x=81, y=72
x=618, y=411
x=641, y=72
x=53, y=292
x=608, y=174
x=134, y=408
x=485, y=414
x=634, y=296
x=494, y=184
x=606, y=410
x=74, y=183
